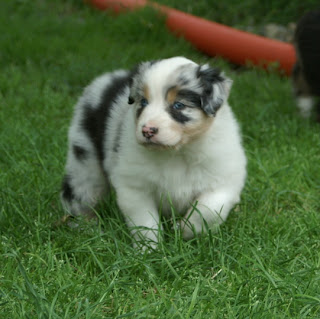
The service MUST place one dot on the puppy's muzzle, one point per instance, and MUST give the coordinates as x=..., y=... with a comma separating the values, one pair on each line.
x=149, y=131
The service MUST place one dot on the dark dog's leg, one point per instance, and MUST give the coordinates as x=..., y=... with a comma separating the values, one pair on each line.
x=318, y=111
x=301, y=91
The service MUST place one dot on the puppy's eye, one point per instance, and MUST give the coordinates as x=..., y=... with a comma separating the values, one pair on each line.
x=144, y=102
x=178, y=106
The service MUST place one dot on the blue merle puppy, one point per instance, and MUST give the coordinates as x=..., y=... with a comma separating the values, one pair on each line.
x=162, y=135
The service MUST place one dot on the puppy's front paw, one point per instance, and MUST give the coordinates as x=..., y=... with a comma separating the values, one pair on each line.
x=196, y=222
x=187, y=232
x=145, y=246
x=145, y=240
x=190, y=226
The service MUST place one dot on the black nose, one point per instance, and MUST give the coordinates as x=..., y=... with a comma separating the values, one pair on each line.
x=148, y=131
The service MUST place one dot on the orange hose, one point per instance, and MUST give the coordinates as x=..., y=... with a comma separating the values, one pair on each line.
x=212, y=38
x=118, y=5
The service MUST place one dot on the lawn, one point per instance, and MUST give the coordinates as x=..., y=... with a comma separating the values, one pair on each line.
x=264, y=262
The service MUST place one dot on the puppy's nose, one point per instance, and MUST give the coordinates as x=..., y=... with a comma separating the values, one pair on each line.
x=149, y=131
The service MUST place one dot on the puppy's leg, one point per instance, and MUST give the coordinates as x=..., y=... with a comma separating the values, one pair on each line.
x=84, y=182
x=212, y=208
x=141, y=214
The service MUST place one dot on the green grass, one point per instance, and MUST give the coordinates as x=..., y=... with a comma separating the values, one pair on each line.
x=264, y=262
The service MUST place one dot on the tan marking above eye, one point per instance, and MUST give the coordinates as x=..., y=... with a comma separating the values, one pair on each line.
x=146, y=92
x=172, y=95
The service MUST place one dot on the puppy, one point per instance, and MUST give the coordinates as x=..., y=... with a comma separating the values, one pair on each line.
x=164, y=136
x=306, y=72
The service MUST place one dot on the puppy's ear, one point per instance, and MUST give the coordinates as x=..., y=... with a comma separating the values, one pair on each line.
x=131, y=100
x=136, y=78
x=216, y=89
x=133, y=74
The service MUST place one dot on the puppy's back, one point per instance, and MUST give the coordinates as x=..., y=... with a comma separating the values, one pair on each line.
x=94, y=108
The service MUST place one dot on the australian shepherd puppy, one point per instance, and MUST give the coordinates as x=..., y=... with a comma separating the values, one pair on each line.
x=164, y=136
x=306, y=72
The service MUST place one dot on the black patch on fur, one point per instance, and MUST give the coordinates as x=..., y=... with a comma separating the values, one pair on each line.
x=95, y=119
x=178, y=116
x=67, y=191
x=79, y=152
x=194, y=100
x=208, y=77
x=130, y=100
x=188, y=95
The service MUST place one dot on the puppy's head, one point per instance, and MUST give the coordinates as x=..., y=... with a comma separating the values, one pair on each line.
x=175, y=101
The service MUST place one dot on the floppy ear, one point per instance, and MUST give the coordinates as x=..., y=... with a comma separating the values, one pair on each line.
x=134, y=72
x=131, y=100
x=216, y=89
x=136, y=76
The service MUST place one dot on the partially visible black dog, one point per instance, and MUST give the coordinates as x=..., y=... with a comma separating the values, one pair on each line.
x=306, y=72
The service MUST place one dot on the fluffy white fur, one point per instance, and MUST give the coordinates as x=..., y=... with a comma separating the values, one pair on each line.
x=198, y=166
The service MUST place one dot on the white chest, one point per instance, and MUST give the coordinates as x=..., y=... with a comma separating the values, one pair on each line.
x=175, y=183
